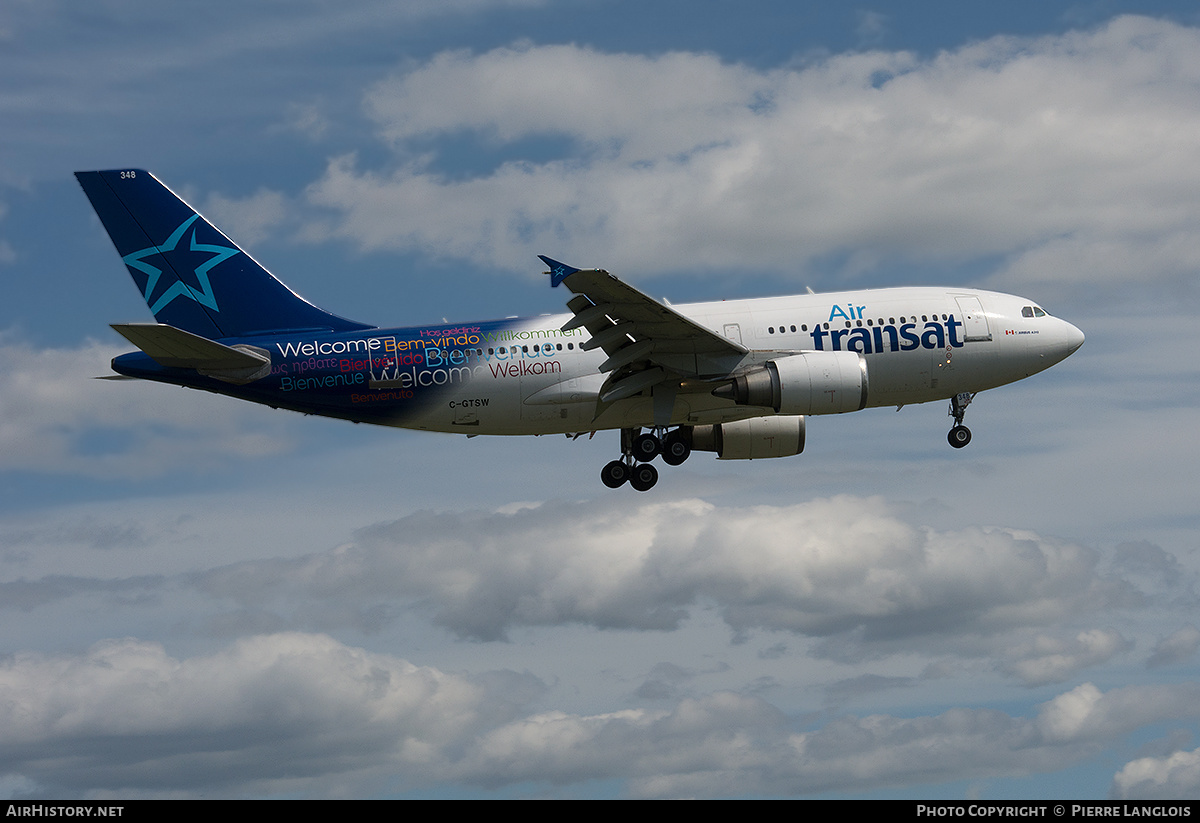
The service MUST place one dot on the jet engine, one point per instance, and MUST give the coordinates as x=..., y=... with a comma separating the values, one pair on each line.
x=753, y=439
x=819, y=382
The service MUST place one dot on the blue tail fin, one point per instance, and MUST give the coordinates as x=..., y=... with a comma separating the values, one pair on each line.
x=192, y=276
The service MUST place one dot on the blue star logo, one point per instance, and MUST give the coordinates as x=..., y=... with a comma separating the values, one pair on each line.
x=180, y=260
x=558, y=271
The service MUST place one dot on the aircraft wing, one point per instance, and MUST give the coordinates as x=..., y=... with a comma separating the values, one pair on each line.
x=647, y=342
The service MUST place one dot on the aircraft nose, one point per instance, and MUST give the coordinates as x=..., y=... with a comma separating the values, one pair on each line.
x=1074, y=339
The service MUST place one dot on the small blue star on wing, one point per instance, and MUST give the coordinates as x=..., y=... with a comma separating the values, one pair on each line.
x=170, y=252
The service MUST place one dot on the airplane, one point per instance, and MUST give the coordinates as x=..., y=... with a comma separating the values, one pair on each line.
x=733, y=377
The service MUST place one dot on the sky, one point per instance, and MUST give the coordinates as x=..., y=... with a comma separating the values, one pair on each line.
x=204, y=598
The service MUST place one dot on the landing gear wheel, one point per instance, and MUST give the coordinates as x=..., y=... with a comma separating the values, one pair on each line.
x=959, y=436
x=676, y=450
x=644, y=477
x=614, y=474
x=646, y=447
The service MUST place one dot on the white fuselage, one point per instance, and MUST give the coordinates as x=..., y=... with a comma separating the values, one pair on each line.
x=920, y=344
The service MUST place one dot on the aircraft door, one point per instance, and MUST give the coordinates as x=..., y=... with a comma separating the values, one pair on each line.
x=975, y=322
x=734, y=332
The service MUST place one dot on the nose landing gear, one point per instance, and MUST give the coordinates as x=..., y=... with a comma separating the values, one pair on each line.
x=959, y=435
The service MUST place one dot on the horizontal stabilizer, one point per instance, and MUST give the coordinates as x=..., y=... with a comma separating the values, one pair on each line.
x=177, y=349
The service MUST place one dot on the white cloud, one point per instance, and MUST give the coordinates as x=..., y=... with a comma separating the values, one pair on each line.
x=55, y=417
x=1085, y=713
x=7, y=254
x=871, y=27
x=512, y=93
x=264, y=711
x=1054, y=659
x=727, y=744
x=305, y=714
x=1159, y=778
x=1042, y=150
x=308, y=119
x=248, y=219
x=847, y=570
x=1179, y=647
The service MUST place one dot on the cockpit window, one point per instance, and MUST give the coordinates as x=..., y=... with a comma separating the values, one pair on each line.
x=1038, y=312
x=1027, y=311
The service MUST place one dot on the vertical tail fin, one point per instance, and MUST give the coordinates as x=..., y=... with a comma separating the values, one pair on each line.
x=191, y=275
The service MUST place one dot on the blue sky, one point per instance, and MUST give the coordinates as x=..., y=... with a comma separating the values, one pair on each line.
x=206, y=598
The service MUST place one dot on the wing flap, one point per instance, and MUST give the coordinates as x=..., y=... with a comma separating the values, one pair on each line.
x=639, y=333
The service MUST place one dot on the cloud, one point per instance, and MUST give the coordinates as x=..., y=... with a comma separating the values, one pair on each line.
x=726, y=744
x=7, y=255
x=1179, y=647
x=27, y=595
x=1053, y=659
x=64, y=65
x=1159, y=778
x=267, y=713
x=844, y=570
x=308, y=119
x=1047, y=153
x=871, y=26
x=249, y=219
x=56, y=418
x=305, y=714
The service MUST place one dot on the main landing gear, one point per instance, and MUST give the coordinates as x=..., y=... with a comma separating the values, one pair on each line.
x=959, y=435
x=638, y=449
